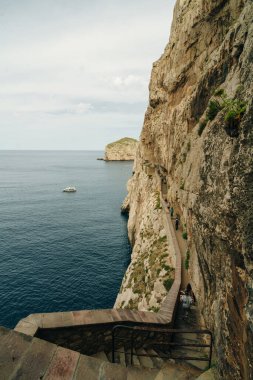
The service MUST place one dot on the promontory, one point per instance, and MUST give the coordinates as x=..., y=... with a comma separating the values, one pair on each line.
x=121, y=150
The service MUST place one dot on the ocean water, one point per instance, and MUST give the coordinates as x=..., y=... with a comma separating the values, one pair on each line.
x=60, y=251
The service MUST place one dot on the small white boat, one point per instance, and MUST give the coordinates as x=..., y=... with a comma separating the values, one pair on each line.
x=70, y=189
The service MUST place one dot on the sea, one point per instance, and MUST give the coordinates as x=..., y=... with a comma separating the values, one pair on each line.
x=60, y=251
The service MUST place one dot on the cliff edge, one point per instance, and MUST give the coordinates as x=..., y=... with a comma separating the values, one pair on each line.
x=198, y=135
x=121, y=150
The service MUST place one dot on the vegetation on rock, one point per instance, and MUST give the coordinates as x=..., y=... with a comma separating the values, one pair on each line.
x=124, y=140
x=233, y=112
x=187, y=260
x=184, y=235
x=213, y=109
x=202, y=126
x=168, y=283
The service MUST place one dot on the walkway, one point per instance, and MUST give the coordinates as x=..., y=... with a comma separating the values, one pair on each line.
x=180, y=242
x=193, y=320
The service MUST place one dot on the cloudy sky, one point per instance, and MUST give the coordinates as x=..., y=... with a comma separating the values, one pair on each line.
x=74, y=73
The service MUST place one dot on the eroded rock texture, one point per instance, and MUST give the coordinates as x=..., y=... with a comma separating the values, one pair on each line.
x=207, y=169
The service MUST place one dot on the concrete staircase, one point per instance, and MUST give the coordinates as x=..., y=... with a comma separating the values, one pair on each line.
x=152, y=366
x=23, y=357
x=151, y=361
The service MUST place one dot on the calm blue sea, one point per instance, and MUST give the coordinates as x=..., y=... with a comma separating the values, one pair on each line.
x=60, y=251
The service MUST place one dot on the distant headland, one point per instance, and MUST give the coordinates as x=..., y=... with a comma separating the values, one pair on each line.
x=121, y=150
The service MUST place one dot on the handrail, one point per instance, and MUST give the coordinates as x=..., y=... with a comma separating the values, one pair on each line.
x=166, y=331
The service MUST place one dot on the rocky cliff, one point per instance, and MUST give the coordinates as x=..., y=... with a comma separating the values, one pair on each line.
x=198, y=134
x=121, y=150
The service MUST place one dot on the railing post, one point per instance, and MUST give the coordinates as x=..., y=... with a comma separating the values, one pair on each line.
x=132, y=346
x=113, y=347
x=211, y=350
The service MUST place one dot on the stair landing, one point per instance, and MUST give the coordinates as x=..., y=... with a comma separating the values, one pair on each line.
x=26, y=358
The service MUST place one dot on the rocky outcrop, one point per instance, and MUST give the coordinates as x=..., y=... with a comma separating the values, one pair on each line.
x=121, y=150
x=198, y=133
x=151, y=273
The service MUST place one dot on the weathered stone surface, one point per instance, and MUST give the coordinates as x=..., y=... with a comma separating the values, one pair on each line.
x=12, y=347
x=26, y=327
x=153, y=257
x=63, y=365
x=121, y=150
x=35, y=361
x=90, y=368
x=206, y=177
x=211, y=374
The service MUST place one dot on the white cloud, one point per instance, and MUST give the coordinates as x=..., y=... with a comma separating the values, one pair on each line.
x=78, y=109
x=61, y=59
x=130, y=81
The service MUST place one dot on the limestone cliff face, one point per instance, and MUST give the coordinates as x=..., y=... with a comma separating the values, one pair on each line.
x=151, y=272
x=202, y=143
x=121, y=150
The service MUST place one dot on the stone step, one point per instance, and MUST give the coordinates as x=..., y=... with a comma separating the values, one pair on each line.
x=134, y=373
x=190, y=352
x=109, y=356
x=145, y=361
x=101, y=355
x=128, y=357
x=136, y=361
x=96, y=369
x=151, y=367
x=119, y=356
x=172, y=371
x=122, y=356
x=155, y=357
x=199, y=364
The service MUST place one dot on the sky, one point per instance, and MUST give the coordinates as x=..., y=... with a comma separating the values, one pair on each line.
x=74, y=74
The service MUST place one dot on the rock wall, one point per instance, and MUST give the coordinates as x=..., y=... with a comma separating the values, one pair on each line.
x=121, y=150
x=204, y=151
x=151, y=271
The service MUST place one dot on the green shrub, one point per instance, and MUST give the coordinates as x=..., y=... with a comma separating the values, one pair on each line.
x=187, y=259
x=213, y=108
x=182, y=186
x=155, y=309
x=158, y=202
x=168, y=283
x=202, y=126
x=234, y=109
x=166, y=267
x=162, y=239
x=184, y=235
x=219, y=92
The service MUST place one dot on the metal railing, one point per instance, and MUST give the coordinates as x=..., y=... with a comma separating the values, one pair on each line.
x=134, y=335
